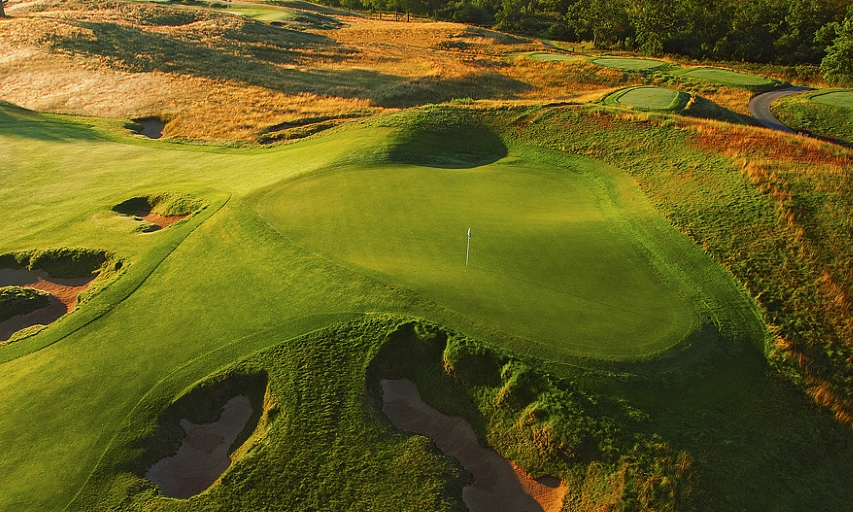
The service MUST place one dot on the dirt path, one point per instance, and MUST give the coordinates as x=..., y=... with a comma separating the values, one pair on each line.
x=203, y=456
x=63, y=297
x=759, y=107
x=498, y=484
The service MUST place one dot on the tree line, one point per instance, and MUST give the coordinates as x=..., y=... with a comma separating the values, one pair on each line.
x=787, y=32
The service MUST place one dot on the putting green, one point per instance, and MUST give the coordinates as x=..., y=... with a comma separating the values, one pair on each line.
x=841, y=99
x=629, y=64
x=649, y=98
x=550, y=57
x=726, y=77
x=551, y=256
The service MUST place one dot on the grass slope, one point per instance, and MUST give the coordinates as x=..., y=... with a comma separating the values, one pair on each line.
x=827, y=114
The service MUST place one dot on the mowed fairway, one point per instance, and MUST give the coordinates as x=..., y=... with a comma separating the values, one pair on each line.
x=840, y=99
x=726, y=77
x=628, y=64
x=551, y=257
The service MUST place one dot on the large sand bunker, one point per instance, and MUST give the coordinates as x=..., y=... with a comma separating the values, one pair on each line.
x=498, y=484
x=203, y=456
x=63, y=297
x=152, y=127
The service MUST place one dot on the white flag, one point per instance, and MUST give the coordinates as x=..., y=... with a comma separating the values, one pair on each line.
x=469, y=232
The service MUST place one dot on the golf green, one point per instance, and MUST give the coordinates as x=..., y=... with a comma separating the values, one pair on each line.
x=726, y=77
x=651, y=98
x=841, y=99
x=551, y=257
x=551, y=57
x=629, y=64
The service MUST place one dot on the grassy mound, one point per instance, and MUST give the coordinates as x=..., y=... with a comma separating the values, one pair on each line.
x=629, y=64
x=17, y=300
x=649, y=98
x=726, y=77
x=444, y=138
x=62, y=262
x=825, y=114
x=167, y=205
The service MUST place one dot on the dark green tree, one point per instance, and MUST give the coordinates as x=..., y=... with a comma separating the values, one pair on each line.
x=837, y=66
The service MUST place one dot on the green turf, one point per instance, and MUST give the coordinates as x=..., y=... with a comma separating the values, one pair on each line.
x=551, y=259
x=840, y=99
x=550, y=57
x=553, y=234
x=649, y=98
x=726, y=77
x=628, y=64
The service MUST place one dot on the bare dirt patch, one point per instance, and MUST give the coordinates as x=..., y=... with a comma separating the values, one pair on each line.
x=63, y=297
x=203, y=456
x=498, y=483
x=159, y=221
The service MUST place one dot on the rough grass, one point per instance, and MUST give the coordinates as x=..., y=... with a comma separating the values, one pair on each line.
x=17, y=300
x=550, y=57
x=820, y=114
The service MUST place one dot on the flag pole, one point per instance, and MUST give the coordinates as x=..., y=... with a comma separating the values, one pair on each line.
x=468, y=249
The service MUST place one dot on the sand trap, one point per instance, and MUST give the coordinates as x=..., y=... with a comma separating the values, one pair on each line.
x=63, y=297
x=498, y=484
x=151, y=127
x=159, y=222
x=203, y=456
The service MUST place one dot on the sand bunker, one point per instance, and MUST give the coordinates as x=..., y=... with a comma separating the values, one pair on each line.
x=151, y=127
x=498, y=484
x=159, y=222
x=203, y=456
x=63, y=297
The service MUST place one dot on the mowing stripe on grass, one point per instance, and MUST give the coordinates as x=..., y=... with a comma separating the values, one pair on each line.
x=627, y=64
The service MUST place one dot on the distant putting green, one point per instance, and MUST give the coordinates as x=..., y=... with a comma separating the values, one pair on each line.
x=840, y=99
x=629, y=64
x=726, y=77
x=648, y=98
x=551, y=257
x=550, y=57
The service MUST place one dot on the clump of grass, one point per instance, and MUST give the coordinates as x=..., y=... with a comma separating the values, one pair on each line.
x=164, y=204
x=17, y=300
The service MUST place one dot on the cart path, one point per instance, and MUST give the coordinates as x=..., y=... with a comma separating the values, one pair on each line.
x=759, y=107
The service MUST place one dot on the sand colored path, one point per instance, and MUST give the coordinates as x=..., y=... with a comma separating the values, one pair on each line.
x=498, y=484
x=63, y=297
x=203, y=456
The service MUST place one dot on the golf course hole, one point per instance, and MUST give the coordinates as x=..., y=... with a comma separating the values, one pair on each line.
x=625, y=64
x=445, y=138
x=205, y=431
x=38, y=288
x=498, y=483
x=151, y=127
x=156, y=212
x=840, y=99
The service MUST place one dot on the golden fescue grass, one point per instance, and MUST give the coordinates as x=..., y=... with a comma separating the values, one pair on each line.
x=224, y=77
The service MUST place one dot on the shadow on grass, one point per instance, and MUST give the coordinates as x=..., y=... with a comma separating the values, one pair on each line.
x=21, y=123
x=447, y=138
x=758, y=441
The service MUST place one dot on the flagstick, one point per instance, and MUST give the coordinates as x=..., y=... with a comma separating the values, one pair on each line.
x=468, y=249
